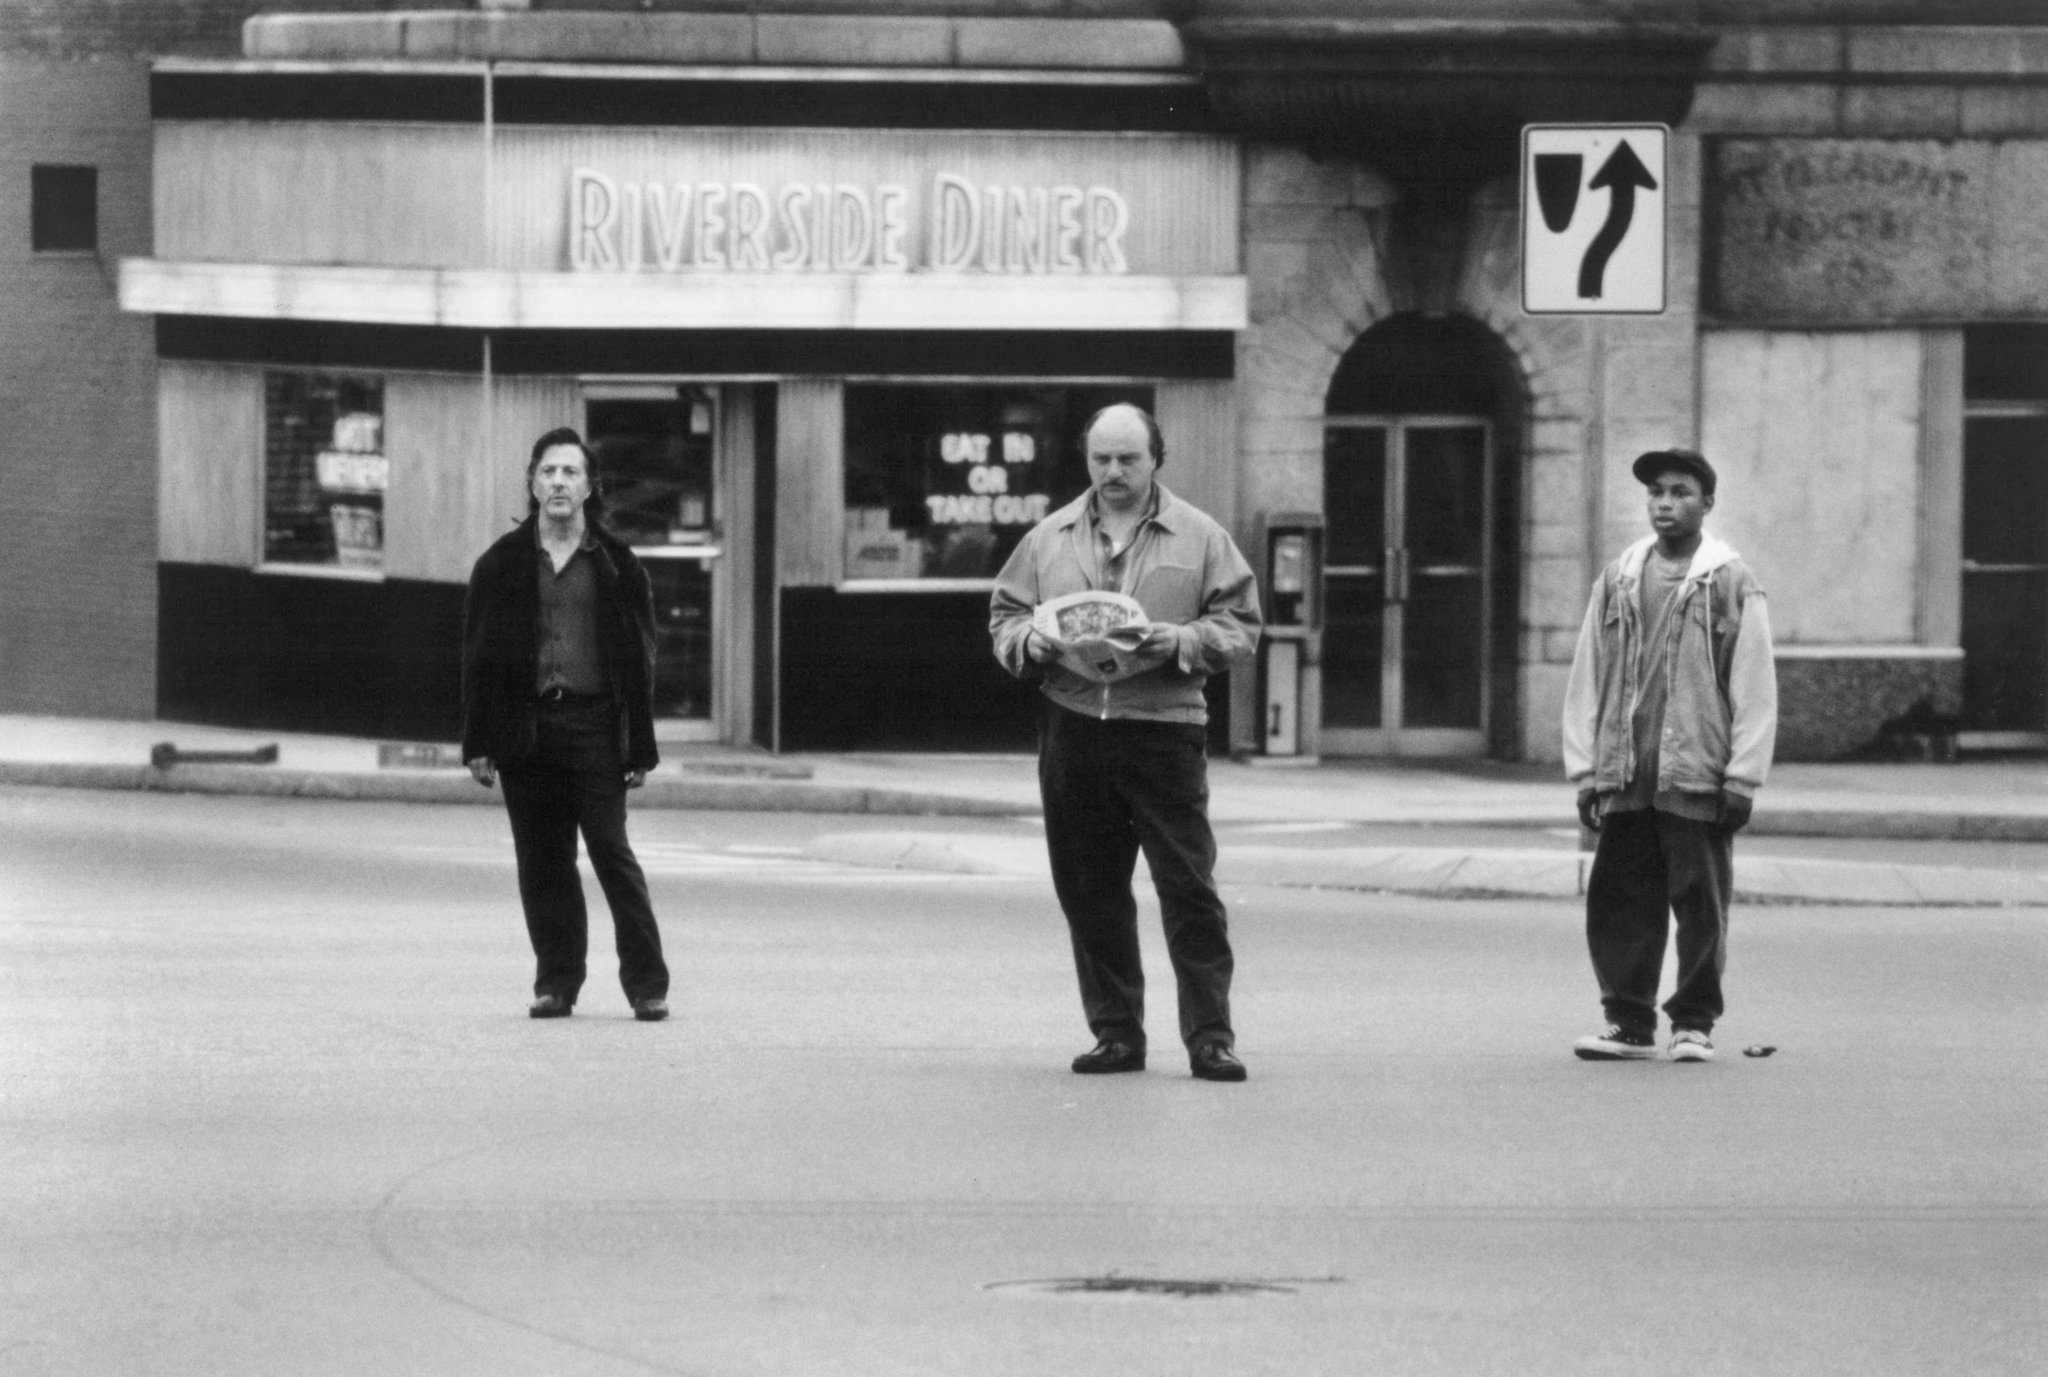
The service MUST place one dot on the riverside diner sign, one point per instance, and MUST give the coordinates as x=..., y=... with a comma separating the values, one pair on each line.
x=951, y=225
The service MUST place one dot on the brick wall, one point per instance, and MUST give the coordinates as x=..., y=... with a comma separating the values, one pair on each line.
x=78, y=393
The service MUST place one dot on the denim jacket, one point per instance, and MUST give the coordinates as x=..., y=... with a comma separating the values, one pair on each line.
x=1187, y=572
x=1721, y=718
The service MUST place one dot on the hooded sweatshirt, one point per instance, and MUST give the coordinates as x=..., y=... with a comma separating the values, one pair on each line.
x=1721, y=711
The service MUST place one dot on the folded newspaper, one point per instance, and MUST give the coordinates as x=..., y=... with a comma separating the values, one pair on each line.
x=1096, y=634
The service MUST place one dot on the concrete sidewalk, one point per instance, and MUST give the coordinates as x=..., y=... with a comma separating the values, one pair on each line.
x=2001, y=800
x=1993, y=800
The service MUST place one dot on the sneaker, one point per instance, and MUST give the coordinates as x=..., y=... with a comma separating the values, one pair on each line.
x=1690, y=1044
x=1616, y=1044
x=1108, y=1057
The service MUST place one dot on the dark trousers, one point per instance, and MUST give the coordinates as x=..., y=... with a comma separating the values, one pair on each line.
x=574, y=782
x=1111, y=788
x=1648, y=868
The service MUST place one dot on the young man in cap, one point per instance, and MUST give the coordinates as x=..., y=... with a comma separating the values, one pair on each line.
x=1668, y=727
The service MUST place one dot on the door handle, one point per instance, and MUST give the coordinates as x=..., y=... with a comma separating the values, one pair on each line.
x=1397, y=575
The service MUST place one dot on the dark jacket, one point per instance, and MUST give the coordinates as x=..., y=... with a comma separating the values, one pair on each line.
x=500, y=647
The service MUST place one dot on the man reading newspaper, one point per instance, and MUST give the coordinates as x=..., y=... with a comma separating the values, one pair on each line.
x=1122, y=761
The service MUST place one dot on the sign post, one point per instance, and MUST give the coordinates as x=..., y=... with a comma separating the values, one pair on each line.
x=1593, y=199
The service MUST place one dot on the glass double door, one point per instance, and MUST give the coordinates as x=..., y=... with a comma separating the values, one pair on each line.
x=2005, y=575
x=1408, y=504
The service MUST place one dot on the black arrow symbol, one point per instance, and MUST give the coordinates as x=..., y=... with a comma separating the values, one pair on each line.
x=1623, y=172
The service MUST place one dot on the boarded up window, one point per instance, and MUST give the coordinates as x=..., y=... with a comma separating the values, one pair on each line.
x=64, y=208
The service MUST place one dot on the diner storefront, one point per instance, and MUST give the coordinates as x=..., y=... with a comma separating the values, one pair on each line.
x=832, y=294
x=830, y=374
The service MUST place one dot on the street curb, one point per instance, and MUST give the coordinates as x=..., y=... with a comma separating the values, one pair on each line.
x=1465, y=873
x=1881, y=825
x=665, y=790
x=725, y=795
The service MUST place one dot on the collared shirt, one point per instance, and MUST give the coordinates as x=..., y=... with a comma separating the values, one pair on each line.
x=1112, y=563
x=570, y=657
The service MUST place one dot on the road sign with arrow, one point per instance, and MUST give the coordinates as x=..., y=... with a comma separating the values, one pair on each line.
x=1593, y=218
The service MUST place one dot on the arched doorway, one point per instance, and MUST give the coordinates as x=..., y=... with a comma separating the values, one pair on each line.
x=1420, y=464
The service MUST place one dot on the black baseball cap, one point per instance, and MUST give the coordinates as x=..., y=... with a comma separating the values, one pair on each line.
x=1689, y=461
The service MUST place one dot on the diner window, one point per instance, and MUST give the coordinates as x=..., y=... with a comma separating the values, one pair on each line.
x=943, y=480
x=324, y=471
x=64, y=208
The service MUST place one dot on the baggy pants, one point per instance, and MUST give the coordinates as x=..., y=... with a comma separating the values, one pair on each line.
x=1648, y=868
x=1112, y=788
x=574, y=782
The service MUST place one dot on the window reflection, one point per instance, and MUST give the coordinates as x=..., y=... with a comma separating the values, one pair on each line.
x=324, y=470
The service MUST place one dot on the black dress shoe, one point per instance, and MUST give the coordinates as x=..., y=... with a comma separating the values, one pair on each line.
x=1212, y=1061
x=1110, y=1057
x=650, y=1010
x=549, y=1006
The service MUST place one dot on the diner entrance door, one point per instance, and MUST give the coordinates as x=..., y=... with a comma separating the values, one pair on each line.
x=1406, y=585
x=659, y=458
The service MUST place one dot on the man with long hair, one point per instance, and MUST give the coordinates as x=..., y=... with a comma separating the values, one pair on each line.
x=558, y=703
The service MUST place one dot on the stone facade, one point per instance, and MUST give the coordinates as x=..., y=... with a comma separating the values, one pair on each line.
x=1326, y=265
x=1834, y=707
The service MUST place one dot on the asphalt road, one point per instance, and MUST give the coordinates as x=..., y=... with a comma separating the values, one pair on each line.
x=269, y=1103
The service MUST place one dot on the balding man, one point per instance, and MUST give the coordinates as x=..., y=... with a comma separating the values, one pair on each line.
x=1123, y=765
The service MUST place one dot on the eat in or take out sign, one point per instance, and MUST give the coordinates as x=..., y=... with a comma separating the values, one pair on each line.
x=1593, y=200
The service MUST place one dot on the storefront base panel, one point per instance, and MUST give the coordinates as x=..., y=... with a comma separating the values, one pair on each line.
x=911, y=672
x=276, y=652
x=1835, y=708
x=897, y=672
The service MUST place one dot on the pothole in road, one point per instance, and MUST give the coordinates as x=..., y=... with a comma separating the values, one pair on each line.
x=1176, y=1288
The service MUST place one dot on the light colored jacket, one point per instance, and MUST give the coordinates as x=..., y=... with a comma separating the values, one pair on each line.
x=1185, y=571
x=1721, y=717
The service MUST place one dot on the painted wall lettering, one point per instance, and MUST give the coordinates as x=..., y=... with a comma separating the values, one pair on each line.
x=844, y=227
x=1874, y=230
